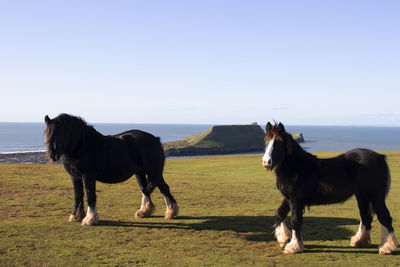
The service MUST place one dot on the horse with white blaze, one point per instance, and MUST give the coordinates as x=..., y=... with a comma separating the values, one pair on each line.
x=305, y=180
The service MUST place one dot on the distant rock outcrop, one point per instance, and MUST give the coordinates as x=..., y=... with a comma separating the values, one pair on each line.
x=227, y=139
x=298, y=137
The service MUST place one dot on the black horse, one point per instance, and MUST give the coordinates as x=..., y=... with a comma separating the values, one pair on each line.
x=88, y=156
x=305, y=180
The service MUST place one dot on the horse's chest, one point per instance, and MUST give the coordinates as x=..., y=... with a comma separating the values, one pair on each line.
x=285, y=188
x=72, y=170
x=290, y=185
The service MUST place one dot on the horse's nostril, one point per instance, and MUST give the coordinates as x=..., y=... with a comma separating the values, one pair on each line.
x=269, y=162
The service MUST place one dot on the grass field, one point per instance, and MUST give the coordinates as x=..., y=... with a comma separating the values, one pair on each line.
x=227, y=204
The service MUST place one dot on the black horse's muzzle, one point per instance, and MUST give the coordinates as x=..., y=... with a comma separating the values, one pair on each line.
x=53, y=152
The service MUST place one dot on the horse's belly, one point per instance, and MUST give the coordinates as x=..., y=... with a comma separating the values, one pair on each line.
x=115, y=175
x=330, y=195
x=113, y=180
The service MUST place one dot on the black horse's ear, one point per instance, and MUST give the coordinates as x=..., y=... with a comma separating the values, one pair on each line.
x=281, y=128
x=268, y=127
x=47, y=119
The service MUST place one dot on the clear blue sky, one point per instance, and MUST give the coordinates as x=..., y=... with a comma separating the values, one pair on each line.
x=219, y=62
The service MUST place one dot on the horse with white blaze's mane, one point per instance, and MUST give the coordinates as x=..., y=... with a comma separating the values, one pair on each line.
x=88, y=156
x=305, y=180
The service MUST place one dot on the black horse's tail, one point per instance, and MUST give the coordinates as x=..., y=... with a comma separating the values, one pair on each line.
x=387, y=179
x=387, y=176
x=162, y=150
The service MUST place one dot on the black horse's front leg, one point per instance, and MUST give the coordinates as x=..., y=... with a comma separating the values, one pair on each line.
x=92, y=217
x=78, y=213
x=296, y=243
x=282, y=232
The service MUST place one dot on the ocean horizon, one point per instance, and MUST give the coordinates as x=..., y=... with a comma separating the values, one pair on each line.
x=19, y=137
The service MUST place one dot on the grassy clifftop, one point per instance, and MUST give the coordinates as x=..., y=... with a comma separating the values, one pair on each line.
x=227, y=206
x=219, y=140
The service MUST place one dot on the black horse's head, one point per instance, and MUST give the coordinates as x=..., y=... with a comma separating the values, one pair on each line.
x=63, y=134
x=275, y=146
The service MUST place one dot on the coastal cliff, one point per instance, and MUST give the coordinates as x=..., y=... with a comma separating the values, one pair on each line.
x=226, y=139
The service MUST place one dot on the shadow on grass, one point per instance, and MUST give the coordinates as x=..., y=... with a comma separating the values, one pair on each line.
x=253, y=228
x=371, y=249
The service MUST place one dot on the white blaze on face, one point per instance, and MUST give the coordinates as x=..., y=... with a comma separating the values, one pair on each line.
x=267, y=159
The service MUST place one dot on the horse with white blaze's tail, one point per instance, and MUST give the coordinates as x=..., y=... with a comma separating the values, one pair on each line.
x=88, y=156
x=305, y=180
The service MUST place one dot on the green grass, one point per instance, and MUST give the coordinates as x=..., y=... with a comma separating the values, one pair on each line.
x=227, y=206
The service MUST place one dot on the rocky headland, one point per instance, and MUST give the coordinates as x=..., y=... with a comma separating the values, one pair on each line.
x=226, y=139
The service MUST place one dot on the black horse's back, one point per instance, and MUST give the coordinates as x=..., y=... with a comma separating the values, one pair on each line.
x=373, y=171
x=364, y=156
x=145, y=149
x=357, y=170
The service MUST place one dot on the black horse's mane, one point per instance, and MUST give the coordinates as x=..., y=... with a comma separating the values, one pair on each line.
x=292, y=146
x=72, y=130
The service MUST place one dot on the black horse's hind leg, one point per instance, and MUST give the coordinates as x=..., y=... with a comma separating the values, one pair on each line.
x=92, y=217
x=362, y=237
x=147, y=208
x=282, y=232
x=388, y=240
x=78, y=213
x=172, y=207
x=296, y=243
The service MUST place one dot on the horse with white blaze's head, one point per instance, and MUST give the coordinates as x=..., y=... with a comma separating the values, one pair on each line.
x=88, y=156
x=305, y=180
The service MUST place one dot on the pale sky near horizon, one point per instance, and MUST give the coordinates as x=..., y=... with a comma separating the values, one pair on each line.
x=215, y=62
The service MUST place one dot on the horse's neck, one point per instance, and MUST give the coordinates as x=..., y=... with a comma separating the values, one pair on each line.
x=297, y=158
x=92, y=133
x=89, y=137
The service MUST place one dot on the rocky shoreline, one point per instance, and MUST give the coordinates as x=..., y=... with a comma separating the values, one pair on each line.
x=26, y=157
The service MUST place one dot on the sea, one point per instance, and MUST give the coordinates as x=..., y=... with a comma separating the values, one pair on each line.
x=28, y=137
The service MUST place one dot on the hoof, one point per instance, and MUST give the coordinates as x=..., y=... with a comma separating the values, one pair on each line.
x=74, y=218
x=92, y=217
x=361, y=238
x=386, y=250
x=146, y=212
x=388, y=242
x=293, y=247
x=364, y=241
x=80, y=214
x=91, y=220
x=172, y=212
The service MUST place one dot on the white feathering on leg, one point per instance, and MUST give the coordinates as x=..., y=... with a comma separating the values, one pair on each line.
x=361, y=238
x=172, y=209
x=282, y=234
x=295, y=245
x=92, y=217
x=146, y=209
x=388, y=242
